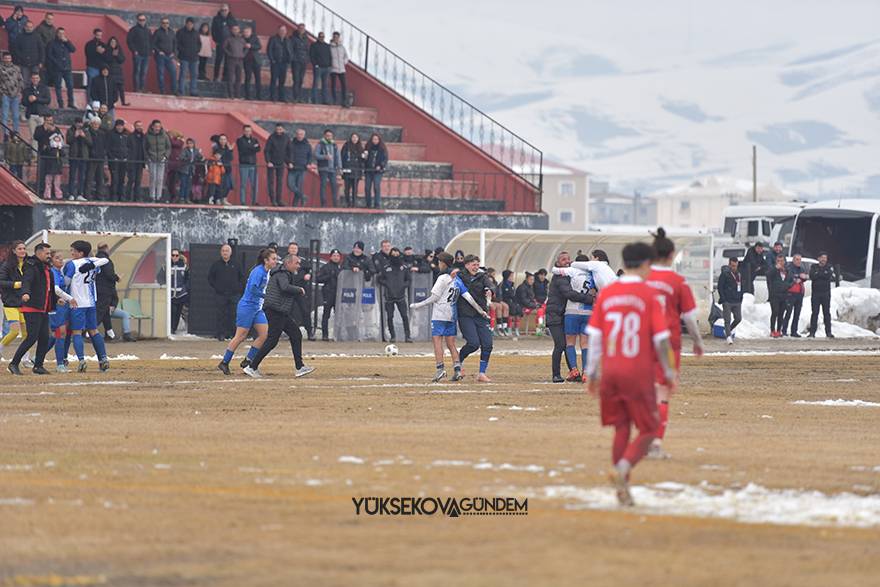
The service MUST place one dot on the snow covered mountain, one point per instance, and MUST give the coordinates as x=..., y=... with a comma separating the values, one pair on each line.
x=650, y=95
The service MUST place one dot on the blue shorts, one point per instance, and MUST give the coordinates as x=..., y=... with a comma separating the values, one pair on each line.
x=59, y=318
x=442, y=328
x=576, y=324
x=247, y=316
x=83, y=318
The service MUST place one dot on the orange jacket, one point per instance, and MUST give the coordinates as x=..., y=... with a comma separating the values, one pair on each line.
x=215, y=173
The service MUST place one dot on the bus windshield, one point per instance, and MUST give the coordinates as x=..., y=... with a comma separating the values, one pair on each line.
x=843, y=234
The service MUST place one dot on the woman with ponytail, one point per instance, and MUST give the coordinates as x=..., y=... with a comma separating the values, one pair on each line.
x=678, y=301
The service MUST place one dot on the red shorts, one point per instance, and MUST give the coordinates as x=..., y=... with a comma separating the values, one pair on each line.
x=629, y=401
x=674, y=359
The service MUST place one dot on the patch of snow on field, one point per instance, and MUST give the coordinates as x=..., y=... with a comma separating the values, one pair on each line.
x=167, y=357
x=85, y=383
x=94, y=358
x=751, y=504
x=838, y=403
x=16, y=501
x=351, y=459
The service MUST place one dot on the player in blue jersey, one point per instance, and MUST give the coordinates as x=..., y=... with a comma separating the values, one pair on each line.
x=79, y=280
x=58, y=319
x=444, y=313
x=249, y=313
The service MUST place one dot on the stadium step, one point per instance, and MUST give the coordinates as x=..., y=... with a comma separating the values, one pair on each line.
x=128, y=11
x=218, y=89
x=389, y=134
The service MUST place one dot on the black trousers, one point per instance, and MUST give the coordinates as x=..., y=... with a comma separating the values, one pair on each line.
x=793, y=307
x=298, y=70
x=325, y=318
x=275, y=181
x=102, y=310
x=777, y=312
x=343, y=95
x=117, y=180
x=37, y=324
x=94, y=180
x=280, y=322
x=351, y=182
x=557, y=331
x=404, y=314
x=177, y=305
x=218, y=64
x=821, y=301
x=252, y=70
x=135, y=176
x=305, y=314
x=225, y=324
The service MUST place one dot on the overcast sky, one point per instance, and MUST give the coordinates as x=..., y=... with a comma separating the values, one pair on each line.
x=731, y=72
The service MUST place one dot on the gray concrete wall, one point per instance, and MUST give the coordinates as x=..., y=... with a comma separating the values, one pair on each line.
x=257, y=227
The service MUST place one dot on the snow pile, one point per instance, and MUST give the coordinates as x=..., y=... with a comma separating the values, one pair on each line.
x=855, y=313
x=753, y=504
x=838, y=403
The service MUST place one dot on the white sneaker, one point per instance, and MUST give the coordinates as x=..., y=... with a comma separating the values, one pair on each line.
x=81, y=199
x=729, y=340
x=303, y=371
x=252, y=372
x=62, y=368
x=27, y=363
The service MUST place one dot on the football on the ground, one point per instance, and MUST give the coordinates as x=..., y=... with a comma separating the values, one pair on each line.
x=391, y=350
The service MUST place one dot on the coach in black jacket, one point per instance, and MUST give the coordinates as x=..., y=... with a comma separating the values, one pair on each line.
x=279, y=306
x=821, y=274
x=225, y=278
x=39, y=297
x=558, y=295
x=328, y=277
x=394, y=277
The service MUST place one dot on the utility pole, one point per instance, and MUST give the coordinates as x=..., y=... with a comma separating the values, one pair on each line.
x=754, y=173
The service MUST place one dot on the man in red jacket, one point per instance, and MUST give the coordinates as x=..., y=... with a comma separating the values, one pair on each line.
x=39, y=295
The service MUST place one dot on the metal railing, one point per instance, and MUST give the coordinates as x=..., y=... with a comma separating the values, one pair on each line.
x=451, y=110
x=401, y=187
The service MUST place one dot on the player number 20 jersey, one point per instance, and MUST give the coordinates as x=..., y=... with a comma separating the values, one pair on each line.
x=448, y=289
x=82, y=285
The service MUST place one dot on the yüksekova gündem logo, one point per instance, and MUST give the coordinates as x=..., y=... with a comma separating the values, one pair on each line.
x=451, y=507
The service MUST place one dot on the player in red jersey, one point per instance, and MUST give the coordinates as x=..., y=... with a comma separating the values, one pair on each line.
x=678, y=303
x=628, y=335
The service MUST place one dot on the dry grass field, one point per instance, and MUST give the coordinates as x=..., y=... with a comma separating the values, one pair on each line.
x=164, y=472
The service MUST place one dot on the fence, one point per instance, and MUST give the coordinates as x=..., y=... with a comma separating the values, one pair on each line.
x=446, y=107
x=404, y=187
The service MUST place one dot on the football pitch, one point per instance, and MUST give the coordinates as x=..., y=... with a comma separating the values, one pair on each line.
x=165, y=472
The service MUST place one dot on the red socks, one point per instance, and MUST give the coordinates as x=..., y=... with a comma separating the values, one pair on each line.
x=663, y=407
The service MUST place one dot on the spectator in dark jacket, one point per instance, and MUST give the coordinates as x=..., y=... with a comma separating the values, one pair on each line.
x=96, y=55
x=137, y=157
x=395, y=280
x=328, y=277
x=279, y=304
x=117, y=159
x=754, y=264
x=15, y=24
x=541, y=285
x=730, y=294
x=778, y=282
x=235, y=48
x=225, y=278
x=115, y=59
x=188, y=45
x=59, y=66
x=140, y=44
x=821, y=274
x=358, y=262
x=179, y=286
x=525, y=293
x=558, y=296
x=352, y=159
x=508, y=295
x=299, y=158
x=322, y=60
x=329, y=165
x=36, y=100
x=299, y=60
x=794, y=298
x=164, y=44
x=252, y=64
x=221, y=24
x=94, y=188
x=374, y=168
x=28, y=51
x=46, y=29
x=276, y=161
x=248, y=146
x=103, y=90
x=79, y=144
x=278, y=54
x=189, y=157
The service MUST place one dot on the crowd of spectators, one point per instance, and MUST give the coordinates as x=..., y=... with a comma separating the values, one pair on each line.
x=103, y=157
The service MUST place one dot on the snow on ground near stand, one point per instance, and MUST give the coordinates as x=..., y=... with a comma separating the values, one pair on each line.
x=751, y=504
x=853, y=310
x=838, y=403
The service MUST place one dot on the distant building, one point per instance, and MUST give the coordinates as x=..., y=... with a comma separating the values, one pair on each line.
x=701, y=203
x=607, y=207
x=566, y=198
